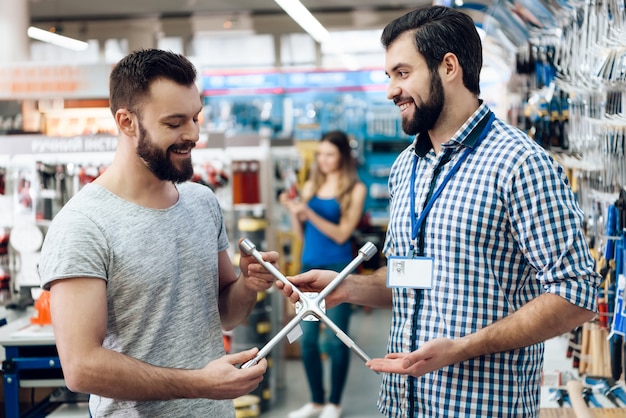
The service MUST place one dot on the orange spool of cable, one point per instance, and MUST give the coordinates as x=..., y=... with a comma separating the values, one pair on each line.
x=42, y=310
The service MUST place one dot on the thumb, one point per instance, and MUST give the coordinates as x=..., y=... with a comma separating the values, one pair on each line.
x=242, y=356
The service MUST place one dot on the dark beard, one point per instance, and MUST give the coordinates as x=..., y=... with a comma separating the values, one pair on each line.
x=425, y=116
x=159, y=162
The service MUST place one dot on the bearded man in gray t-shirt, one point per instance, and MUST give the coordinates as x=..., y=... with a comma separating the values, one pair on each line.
x=140, y=280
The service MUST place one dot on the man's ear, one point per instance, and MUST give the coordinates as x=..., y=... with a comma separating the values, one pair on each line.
x=450, y=67
x=126, y=121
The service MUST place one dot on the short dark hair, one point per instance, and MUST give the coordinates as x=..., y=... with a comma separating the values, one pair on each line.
x=437, y=31
x=130, y=80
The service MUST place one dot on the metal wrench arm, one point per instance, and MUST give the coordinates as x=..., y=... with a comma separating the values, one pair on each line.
x=345, y=338
x=340, y=277
x=279, y=336
x=365, y=253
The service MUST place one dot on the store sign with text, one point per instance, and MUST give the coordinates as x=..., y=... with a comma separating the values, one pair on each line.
x=37, y=81
x=38, y=144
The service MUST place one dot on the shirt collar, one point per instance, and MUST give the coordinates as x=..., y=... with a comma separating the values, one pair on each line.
x=422, y=144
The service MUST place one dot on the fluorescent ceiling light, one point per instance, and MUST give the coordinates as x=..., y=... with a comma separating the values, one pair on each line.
x=56, y=39
x=305, y=19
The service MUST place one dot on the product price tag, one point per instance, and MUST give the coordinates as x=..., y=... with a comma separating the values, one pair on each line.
x=294, y=334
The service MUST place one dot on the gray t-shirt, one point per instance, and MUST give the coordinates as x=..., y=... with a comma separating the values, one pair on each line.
x=162, y=283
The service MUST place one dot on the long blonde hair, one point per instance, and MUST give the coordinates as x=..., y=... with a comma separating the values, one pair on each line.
x=347, y=166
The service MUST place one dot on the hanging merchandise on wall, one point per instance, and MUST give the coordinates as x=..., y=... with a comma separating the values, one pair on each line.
x=616, y=250
x=588, y=61
x=573, y=88
x=244, y=103
x=211, y=174
x=41, y=175
x=546, y=118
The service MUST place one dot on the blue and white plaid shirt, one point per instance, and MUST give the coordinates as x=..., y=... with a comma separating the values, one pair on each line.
x=505, y=229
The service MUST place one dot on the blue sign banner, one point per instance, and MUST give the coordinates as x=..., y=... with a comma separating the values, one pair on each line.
x=333, y=79
x=276, y=82
x=252, y=82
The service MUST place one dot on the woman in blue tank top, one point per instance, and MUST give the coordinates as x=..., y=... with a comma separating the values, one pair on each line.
x=325, y=217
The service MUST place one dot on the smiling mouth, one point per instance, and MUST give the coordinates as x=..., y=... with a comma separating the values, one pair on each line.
x=404, y=107
x=183, y=150
x=403, y=103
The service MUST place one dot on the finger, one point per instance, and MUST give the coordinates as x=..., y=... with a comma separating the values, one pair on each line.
x=377, y=362
x=286, y=288
x=415, y=357
x=371, y=361
x=407, y=362
x=297, y=279
x=242, y=356
x=257, y=370
x=395, y=355
x=260, y=276
x=258, y=270
x=289, y=292
x=386, y=366
x=412, y=358
x=270, y=256
x=261, y=366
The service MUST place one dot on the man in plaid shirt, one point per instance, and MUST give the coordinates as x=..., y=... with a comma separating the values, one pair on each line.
x=485, y=247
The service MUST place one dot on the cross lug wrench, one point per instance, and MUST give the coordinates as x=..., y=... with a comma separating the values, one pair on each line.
x=311, y=304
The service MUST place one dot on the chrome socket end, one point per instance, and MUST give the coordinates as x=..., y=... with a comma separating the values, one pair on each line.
x=368, y=250
x=247, y=246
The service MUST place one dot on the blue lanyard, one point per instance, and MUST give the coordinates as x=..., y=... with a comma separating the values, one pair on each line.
x=416, y=225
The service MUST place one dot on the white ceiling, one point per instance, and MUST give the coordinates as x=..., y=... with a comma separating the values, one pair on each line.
x=66, y=10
